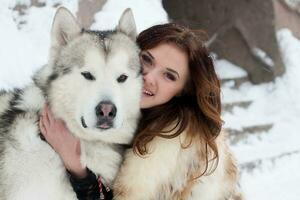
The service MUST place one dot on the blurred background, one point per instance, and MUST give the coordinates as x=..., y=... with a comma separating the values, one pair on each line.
x=256, y=50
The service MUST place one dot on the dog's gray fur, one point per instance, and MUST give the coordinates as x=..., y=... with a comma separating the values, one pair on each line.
x=84, y=68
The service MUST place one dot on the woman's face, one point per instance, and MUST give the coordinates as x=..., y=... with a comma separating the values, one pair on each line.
x=165, y=72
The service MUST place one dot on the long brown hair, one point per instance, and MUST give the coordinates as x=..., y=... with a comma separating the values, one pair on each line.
x=197, y=110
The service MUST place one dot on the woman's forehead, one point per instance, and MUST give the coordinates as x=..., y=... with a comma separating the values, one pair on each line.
x=169, y=54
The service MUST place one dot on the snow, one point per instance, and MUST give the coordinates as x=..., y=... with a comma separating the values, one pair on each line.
x=263, y=56
x=227, y=70
x=275, y=103
x=294, y=4
x=146, y=14
x=269, y=161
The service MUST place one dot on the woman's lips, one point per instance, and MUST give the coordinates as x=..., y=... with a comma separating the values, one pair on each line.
x=147, y=92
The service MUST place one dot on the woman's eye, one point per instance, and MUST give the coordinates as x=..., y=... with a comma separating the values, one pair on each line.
x=146, y=59
x=170, y=76
x=122, y=78
x=88, y=76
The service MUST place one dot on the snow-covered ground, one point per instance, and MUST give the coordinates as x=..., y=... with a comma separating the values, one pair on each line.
x=274, y=154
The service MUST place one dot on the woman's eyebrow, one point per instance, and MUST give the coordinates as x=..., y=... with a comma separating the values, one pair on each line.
x=149, y=54
x=173, y=71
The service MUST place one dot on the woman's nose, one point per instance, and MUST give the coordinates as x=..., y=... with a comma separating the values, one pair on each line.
x=149, y=78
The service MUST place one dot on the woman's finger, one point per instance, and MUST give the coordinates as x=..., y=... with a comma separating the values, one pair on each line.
x=45, y=116
x=77, y=148
x=42, y=127
x=50, y=115
x=45, y=121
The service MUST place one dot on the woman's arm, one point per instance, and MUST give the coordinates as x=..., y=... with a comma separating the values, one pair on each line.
x=83, y=181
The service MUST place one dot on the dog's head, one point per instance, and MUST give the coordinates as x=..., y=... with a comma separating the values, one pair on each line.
x=93, y=78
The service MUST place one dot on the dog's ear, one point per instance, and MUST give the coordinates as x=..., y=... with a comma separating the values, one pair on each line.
x=64, y=28
x=127, y=24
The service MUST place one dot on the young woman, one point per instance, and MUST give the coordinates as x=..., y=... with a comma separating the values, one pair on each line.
x=179, y=151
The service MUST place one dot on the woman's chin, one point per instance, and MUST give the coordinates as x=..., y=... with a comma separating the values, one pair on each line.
x=146, y=103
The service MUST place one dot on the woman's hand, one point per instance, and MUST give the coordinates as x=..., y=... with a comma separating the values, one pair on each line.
x=62, y=141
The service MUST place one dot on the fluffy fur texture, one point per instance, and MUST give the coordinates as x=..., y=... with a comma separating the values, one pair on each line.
x=167, y=173
x=83, y=70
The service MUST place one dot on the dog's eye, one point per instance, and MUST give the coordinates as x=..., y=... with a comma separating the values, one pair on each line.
x=88, y=76
x=122, y=78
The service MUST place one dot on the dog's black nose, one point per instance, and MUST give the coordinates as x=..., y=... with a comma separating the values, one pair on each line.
x=106, y=111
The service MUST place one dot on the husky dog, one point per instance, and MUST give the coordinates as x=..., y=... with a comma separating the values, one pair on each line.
x=92, y=82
